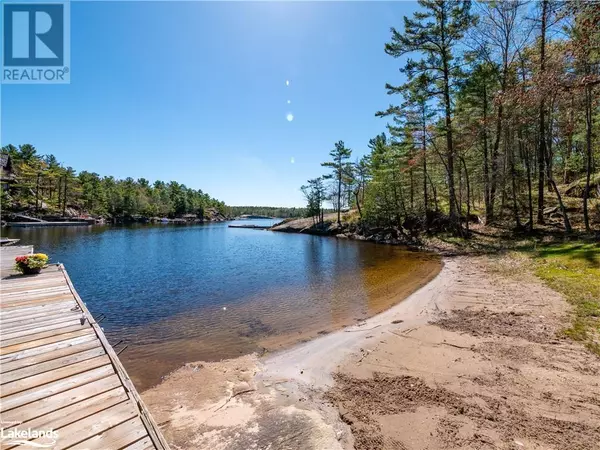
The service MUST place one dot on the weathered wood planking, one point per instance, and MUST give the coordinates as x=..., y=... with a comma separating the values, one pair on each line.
x=58, y=371
x=8, y=255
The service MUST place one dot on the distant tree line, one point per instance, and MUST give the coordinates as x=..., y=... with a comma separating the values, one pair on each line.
x=270, y=211
x=45, y=186
x=499, y=116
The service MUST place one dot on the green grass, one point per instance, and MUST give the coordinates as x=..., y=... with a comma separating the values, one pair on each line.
x=573, y=269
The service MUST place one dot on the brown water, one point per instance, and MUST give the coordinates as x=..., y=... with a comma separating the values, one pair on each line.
x=176, y=294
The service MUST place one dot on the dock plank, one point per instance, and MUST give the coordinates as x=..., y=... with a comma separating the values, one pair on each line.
x=42, y=349
x=56, y=387
x=95, y=424
x=76, y=411
x=36, y=311
x=123, y=435
x=59, y=401
x=143, y=444
x=39, y=322
x=48, y=359
x=82, y=331
x=54, y=375
x=58, y=370
x=34, y=332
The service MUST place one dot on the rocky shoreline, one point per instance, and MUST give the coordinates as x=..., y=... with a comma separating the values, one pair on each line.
x=348, y=230
x=73, y=215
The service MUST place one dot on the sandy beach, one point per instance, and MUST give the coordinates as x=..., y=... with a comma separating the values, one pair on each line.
x=471, y=360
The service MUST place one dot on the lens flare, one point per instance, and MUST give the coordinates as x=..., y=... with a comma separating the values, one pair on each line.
x=287, y=82
x=289, y=117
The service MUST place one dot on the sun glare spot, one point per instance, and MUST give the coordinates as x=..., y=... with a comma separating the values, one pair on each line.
x=292, y=160
x=287, y=82
x=289, y=117
x=289, y=101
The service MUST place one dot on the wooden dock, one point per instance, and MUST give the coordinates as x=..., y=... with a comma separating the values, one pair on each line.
x=252, y=227
x=58, y=371
x=47, y=224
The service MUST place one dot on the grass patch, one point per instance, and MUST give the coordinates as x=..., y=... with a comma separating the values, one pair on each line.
x=573, y=269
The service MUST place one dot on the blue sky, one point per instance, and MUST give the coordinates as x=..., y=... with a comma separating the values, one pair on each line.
x=196, y=92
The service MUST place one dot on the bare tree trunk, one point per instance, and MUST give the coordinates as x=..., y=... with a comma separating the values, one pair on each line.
x=563, y=210
x=412, y=189
x=495, y=148
x=513, y=176
x=425, y=175
x=460, y=188
x=434, y=191
x=569, y=148
x=588, y=144
x=450, y=151
x=339, y=194
x=468, y=195
x=356, y=195
x=549, y=135
x=542, y=121
x=489, y=207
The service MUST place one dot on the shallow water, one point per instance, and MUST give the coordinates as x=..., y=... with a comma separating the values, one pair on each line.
x=177, y=293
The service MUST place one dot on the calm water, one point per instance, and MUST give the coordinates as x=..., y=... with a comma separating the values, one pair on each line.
x=177, y=293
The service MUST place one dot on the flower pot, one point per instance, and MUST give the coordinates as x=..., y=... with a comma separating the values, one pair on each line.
x=31, y=270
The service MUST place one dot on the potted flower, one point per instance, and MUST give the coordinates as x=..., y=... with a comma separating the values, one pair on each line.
x=31, y=264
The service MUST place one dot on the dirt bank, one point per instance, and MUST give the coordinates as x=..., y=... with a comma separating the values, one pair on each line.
x=472, y=360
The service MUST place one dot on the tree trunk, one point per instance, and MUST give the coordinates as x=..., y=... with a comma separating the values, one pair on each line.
x=525, y=157
x=549, y=134
x=567, y=155
x=513, y=175
x=542, y=121
x=59, y=195
x=450, y=150
x=563, y=210
x=434, y=192
x=588, y=144
x=356, y=195
x=412, y=189
x=37, y=192
x=495, y=148
x=489, y=208
x=339, y=194
x=424, y=145
x=468, y=195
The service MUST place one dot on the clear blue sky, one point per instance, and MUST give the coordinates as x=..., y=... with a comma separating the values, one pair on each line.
x=196, y=92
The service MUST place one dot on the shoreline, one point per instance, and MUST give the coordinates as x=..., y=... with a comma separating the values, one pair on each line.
x=313, y=362
x=446, y=367
x=289, y=381
x=289, y=329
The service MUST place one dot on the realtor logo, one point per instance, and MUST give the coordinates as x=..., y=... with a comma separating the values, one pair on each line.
x=35, y=40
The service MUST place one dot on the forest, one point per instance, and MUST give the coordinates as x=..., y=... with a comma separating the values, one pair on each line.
x=497, y=123
x=43, y=186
